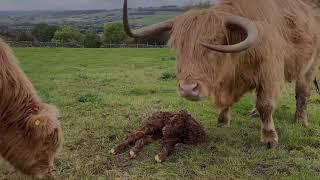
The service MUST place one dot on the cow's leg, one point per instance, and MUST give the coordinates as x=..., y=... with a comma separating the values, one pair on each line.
x=303, y=88
x=131, y=139
x=224, y=118
x=265, y=106
x=139, y=145
x=302, y=94
x=166, y=150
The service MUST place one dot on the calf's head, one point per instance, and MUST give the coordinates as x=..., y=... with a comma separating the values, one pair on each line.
x=201, y=41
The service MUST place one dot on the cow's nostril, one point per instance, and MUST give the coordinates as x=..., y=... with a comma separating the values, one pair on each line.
x=196, y=88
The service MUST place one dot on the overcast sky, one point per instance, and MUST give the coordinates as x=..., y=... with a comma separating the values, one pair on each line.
x=6, y=5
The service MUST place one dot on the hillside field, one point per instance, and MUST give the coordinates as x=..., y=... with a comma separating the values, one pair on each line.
x=104, y=93
x=84, y=19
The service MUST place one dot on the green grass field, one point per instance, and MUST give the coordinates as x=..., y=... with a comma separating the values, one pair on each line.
x=104, y=93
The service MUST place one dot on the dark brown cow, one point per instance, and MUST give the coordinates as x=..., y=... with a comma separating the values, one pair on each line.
x=238, y=46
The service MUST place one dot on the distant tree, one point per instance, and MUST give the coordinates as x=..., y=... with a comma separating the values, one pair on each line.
x=200, y=5
x=92, y=40
x=43, y=32
x=68, y=34
x=8, y=33
x=24, y=36
x=114, y=33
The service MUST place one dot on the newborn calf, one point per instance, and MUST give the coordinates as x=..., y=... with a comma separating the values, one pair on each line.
x=172, y=128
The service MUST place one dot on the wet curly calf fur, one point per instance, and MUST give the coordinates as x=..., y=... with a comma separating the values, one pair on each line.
x=171, y=127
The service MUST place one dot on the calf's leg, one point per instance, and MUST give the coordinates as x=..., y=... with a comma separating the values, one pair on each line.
x=139, y=145
x=166, y=150
x=131, y=139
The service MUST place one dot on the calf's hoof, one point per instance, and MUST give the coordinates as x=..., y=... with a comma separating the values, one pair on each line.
x=159, y=158
x=133, y=155
x=269, y=138
x=113, y=151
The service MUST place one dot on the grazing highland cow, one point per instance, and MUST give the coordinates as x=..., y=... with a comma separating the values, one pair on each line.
x=30, y=134
x=172, y=128
x=238, y=46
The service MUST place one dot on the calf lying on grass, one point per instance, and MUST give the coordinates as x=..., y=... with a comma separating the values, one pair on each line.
x=172, y=128
x=30, y=134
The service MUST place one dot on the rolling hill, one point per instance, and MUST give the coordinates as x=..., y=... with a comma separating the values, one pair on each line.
x=86, y=18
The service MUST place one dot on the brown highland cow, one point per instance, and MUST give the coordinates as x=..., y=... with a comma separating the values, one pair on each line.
x=171, y=128
x=238, y=46
x=30, y=134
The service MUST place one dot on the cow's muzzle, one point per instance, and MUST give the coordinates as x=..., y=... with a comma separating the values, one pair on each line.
x=189, y=90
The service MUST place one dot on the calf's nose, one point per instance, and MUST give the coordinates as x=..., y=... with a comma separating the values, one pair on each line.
x=187, y=89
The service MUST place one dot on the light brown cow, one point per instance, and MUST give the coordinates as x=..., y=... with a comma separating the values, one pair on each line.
x=30, y=133
x=238, y=46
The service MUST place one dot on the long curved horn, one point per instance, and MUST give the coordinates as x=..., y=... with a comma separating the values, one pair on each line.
x=146, y=31
x=246, y=24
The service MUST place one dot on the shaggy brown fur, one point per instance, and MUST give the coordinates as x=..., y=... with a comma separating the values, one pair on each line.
x=172, y=127
x=313, y=3
x=30, y=134
x=287, y=49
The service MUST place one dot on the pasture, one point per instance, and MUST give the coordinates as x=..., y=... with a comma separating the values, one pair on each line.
x=104, y=93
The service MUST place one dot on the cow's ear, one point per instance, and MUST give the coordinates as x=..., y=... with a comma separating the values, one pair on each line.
x=43, y=124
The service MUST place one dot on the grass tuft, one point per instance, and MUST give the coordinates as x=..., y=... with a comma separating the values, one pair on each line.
x=167, y=76
x=88, y=98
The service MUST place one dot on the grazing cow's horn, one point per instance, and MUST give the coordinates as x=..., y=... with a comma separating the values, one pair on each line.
x=146, y=31
x=252, y=35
